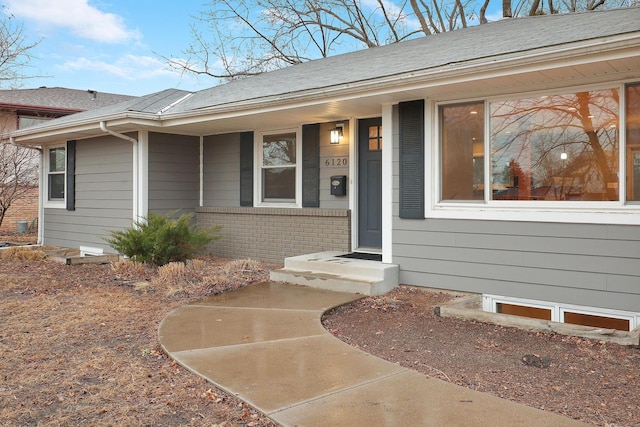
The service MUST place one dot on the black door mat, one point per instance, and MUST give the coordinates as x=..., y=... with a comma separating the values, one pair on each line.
x=362, y=255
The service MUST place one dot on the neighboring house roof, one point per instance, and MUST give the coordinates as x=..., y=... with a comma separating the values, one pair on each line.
x=54, y=100
x=151, y=104
x=392, y=72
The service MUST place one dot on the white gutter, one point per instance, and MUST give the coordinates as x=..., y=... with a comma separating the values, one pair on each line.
x=136, y=183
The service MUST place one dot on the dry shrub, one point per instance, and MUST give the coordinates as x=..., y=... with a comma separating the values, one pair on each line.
x=143, y=287
x=128, y=267
x=22, y=253
x=199, y=278
x=178, y=277
x=196, y=264
x=215, y=281
x=176, y=292
x=234, y=274
x=241, y=266
x=172, y=272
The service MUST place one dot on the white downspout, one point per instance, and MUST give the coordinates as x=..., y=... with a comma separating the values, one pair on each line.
x=134, y=142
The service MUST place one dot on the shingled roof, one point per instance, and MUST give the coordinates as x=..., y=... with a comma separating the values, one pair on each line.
x=495, y=39
x=57, y=99
x=424, y=59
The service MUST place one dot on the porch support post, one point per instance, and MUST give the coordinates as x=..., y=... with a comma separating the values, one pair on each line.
x=387, y=183
x=41, y=195
x=143, y=175
x=201, y=170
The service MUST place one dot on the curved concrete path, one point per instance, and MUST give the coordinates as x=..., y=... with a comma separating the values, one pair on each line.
x=265, y=344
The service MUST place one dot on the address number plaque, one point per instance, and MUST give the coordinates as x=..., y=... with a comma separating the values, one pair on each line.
x=336, y=162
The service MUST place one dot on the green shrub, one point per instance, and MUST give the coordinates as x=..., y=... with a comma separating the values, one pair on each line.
x=161, y=239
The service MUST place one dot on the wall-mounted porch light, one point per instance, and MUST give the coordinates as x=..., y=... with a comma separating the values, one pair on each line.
x=337, y=133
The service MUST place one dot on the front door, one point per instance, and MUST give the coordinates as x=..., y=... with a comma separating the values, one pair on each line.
x=370, y=183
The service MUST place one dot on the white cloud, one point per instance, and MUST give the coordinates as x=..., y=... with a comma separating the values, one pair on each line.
x=76, y=15
x=128, y=67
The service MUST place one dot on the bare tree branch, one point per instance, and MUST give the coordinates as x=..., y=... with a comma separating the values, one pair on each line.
x=18, y=165
x=248, y=37
x=18, y=174
x=483, y=12
x=15, y=52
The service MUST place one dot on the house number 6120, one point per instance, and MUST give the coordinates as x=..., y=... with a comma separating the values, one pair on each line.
x=336, y=162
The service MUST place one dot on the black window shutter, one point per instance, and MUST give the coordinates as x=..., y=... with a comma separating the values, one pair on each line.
x=311, y=166
x=71, y=175
x=246, y=169
x=412, y=159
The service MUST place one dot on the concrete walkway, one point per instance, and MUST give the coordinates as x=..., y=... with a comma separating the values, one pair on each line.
x=265, y=344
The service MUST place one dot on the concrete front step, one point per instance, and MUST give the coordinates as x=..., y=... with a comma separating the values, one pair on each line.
x=325, y=270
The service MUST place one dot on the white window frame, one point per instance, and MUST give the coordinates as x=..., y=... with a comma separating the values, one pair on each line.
x=257, y=191
x=56, y=203
x=611, y=212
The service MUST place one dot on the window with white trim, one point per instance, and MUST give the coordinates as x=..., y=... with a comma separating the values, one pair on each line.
x=632, y=119
x=278, y=168
x=554, y=150
x=556, y=147
x=563, y=313
x=56, y=169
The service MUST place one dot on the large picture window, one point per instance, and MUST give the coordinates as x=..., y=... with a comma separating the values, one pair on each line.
x=556, y=147
x=56, y=168
x=551, y=148
x=279, y=167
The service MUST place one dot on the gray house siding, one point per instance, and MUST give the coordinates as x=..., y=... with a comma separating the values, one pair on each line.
x=222, y=170
x=174, y=173
x=271, y=234
x=103, y=196
x=583, y=264
x=334, y=160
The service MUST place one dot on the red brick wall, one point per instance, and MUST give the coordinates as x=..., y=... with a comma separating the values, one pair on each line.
x=23, y=209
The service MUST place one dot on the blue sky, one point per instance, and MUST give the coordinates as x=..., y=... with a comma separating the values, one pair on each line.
x=107, y=45
x=110, y=45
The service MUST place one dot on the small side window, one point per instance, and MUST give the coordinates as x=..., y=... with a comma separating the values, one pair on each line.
x=279, y=162
x=56, y=174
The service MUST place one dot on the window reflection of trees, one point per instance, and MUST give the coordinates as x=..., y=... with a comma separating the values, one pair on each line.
x=633, y=142
x=560, y=147
x=279, y=167
x=279, y=150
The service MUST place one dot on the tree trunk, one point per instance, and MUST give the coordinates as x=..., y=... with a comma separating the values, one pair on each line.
x=506, y=9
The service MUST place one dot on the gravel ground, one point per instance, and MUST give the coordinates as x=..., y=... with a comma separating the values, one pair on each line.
x=593, y=381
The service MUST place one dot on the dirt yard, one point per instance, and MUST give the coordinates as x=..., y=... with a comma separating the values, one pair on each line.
x=78, y=346
x=592, y=381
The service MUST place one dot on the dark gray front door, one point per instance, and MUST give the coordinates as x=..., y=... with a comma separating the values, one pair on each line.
x=370, y=183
